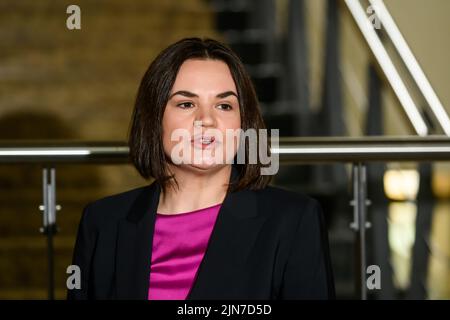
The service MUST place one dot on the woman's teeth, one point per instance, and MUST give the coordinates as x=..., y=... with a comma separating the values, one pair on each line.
x=207, y=140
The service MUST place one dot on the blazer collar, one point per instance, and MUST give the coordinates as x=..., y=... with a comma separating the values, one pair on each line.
x=148, y=200
x=135, y=240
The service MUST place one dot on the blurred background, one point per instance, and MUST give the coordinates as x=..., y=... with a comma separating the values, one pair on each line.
x=316, y=75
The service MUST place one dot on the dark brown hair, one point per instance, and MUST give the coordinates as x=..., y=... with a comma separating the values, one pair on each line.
x=145, y=135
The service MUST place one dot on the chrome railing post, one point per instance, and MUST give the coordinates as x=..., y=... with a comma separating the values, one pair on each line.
x=291, y=150
x=49, y=221
x=359, y=225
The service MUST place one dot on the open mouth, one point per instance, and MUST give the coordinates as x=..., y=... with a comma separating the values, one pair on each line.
x=204, y=142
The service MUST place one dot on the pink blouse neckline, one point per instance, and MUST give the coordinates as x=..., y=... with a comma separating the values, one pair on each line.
x=202, y=210
x=179, y=244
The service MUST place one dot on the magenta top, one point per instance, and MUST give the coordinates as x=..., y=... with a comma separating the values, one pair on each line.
x=179, y=244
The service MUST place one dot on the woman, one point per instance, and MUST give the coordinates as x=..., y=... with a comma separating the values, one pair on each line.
x=207, y=227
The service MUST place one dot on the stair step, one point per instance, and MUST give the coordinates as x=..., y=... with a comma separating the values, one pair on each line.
x=285, y=122
x=231, y=20
x=266, y=88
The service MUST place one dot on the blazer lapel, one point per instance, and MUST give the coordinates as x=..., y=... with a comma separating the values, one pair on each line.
x=234, y=232
x=134, y=245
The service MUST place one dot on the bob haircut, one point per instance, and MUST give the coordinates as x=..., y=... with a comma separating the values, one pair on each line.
x=145, y=134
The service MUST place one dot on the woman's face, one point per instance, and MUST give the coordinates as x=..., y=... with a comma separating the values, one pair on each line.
x=202, y=105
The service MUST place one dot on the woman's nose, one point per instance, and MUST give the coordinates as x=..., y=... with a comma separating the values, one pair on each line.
x=205, y=116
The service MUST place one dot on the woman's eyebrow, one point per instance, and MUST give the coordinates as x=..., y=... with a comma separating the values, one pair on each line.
x=226, y=94
x=193, y=95
x=184, y=93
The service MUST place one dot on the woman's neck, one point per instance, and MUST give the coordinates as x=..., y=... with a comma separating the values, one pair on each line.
x=196, y=190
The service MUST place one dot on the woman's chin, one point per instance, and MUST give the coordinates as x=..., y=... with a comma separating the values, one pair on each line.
x=206, y=165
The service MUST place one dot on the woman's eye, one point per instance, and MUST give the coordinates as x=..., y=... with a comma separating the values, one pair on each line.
x=185, y=105
x=225, y=106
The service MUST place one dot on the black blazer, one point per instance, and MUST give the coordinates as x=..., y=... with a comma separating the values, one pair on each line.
x=266, y=244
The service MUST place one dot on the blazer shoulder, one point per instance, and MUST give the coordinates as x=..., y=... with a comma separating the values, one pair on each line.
x=112, y=207
x=285, y=197
x=288, y=205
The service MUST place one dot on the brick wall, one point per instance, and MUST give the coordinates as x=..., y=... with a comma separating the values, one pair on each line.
x=61, y=84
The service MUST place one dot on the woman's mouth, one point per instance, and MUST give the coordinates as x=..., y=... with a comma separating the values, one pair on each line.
x=204, y=142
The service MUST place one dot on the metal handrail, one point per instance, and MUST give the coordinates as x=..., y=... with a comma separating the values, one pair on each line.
x=380, y=53
x=412, y=64
x=290, y=149
x=392, y=75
